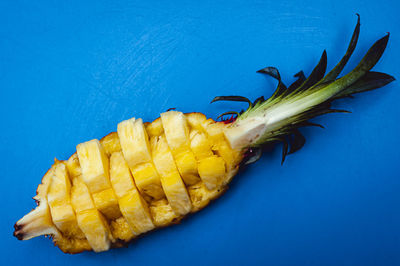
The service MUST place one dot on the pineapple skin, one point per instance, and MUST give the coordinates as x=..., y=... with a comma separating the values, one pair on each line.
x=142, y=177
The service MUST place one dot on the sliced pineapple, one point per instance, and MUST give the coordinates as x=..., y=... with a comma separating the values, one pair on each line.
x=111, y=143
x=131, y=203
x=59, y=201
x=154, y=128
x=162, y=212
x=171, y=181
x=121, y=230
x=73, y=166
x=196, y=121
x=94, y=164
x=89, y=219
x=211, y=168
x=141, y=177
x=106, y=202
x=95, y=228
x=137, y=153
x=120, y=177
x=95, y=173
x=176, y=131
x=136, y=212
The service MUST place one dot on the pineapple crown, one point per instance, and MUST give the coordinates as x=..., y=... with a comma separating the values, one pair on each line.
x=291, y=108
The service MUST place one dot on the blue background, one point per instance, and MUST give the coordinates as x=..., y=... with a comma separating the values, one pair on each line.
x=71, y=70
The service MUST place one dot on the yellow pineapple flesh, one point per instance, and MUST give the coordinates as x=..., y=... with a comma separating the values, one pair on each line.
x=143, y=176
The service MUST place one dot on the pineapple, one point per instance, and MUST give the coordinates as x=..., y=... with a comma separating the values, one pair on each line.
x=149, y=175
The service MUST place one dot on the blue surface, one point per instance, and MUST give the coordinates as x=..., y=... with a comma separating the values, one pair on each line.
x=71, y=70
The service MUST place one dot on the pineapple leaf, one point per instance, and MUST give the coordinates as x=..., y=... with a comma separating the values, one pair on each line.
x=234, y=99
x=316, y=75
x=332, y=75
x=297, y=141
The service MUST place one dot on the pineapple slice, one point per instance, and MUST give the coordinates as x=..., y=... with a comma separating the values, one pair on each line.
x=134, y=141
x=154, y=128
x=200, y=145
x=132, y=205
x=196, y=120
x=211, y=168
x=176, y=131
x=95, y=228
x=172, y=183
x=120, y=177
x=73, y=166
x=136, y=150
x=80, y=196
x=106, y=202
x=89, y=219
x=111, y=143
x=215, y=131
x=95, y=173
x=94, y=164
x=136, y=212
x=121, y=230
x=162, y=212
x=59, y=201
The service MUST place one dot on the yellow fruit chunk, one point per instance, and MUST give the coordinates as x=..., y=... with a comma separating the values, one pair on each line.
x=147, y=180
x=212, y=170
x=136, y=150
x=187, y=167
x=80, y=197
x=59, y=201
x=162, y=212
x=196, y=120
x=176, y=131
x=95, y=229
x=65, y=220
x=121, y=230
x=60, y=186
x=230, y=156
x=120, y=176
x=200, y=145
x=134, y=142
x=176, y=193
x=106, y=202
x=111, y=143
x=215, y=131
x=200, y=195
x=172, y=184
x=136, y=212
x=94, y=164
x=73, y=166
x=154, y=128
